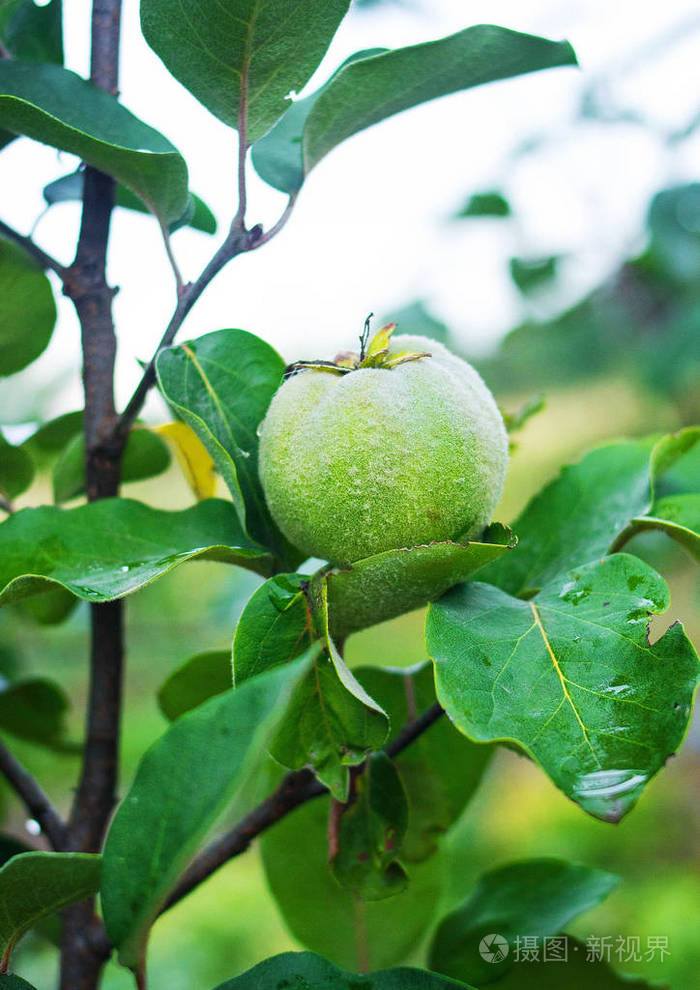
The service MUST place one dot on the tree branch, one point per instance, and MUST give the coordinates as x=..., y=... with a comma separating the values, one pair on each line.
x=172, y=260
x=413, y=729
x=39, y=255
x=96, y=795
x=295, y=789
x=633, y=528
x=236, y=243
x=86, y=284
x=239, y=219
x=276, y=227
x=104, y=44
x=35, y=800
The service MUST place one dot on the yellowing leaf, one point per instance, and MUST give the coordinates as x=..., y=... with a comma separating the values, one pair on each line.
x=379, y=344
x=193, y=457
x=346, y=359
x=378, y=351
x=402, y=357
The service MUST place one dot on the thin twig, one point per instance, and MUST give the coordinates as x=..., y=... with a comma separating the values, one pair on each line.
x=237, y=242
x=413, y=729
x=277, y=227
x=38, y=220
x=44, y=259
x=35, y=800
x=140, y=975
x=295, y=789
x=633, y=528
x=4, y=965
x=179, y=282
x=234, y=244
x=239, y=219
x=6, y=505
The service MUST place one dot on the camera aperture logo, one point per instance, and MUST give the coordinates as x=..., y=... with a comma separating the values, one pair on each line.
x=493, y=948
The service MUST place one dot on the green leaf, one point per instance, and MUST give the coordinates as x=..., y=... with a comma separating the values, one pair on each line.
x=537, y=897
x=50, y=439
x=57, y=107
x=182, y=784
x=331, y=723
x=145, y=456
x=221, y=386
x=277, y=156
x=34, y=709
x=532, y=274
x=50, y=607
x=201, y=677
x=14, y=982
x=675, y=483
x=240, y=58
x=676, y=463
x=678, y=516
x=371, y=832
x=49, y=927
x=16, y=469
x=329, y=919
x=576, y=972
x=109, y=548
x=27, y=307
x=197, y=214
x=372, y=89
x=515, y=421
x=440, y=770
x=9, y=847
x=274, y=627
x=303, y=969
x=374, y=84
x=485, y=204
x=386, y=585
x=36, y=884
x=570, y=677
x=69, y=188
x=6, y=138
x=577, y=516
x=34, y=33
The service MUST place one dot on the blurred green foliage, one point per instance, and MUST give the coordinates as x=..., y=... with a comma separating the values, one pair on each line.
x=644, y=321
x=485, y=204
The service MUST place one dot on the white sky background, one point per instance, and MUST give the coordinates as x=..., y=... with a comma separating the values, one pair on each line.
x=371, y=229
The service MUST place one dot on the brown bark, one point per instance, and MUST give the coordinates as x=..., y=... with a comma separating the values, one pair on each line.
x=84, y=948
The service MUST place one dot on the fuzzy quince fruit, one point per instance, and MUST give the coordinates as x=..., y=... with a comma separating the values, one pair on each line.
x=398, y=447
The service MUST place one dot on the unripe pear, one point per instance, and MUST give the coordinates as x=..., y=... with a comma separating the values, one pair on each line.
x=356, y=462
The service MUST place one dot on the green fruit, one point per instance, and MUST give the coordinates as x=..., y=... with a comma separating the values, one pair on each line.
x=355, y=462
